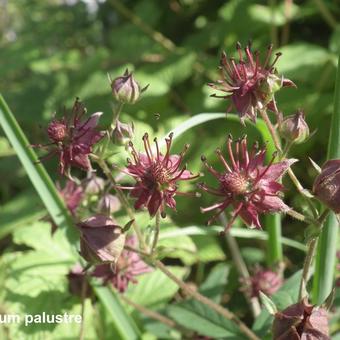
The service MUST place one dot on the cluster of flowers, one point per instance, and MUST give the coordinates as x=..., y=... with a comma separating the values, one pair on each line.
x=247, y=183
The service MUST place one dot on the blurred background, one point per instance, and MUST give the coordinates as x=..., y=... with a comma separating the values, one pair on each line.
x=53, y=51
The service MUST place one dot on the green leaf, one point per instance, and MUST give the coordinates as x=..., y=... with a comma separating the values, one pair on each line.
x=154, y=288
x=198, y=317
x=236, y=232
x=268, y=303
x=36, y=172
x=327, y=244
x=122, y=321
x=216, y=282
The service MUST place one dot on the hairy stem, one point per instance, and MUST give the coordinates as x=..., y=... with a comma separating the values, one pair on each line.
x=201, y=298
x=156, y=233
x=309, y=257
x=271, y=129
x=241, y=267
x=302, y=217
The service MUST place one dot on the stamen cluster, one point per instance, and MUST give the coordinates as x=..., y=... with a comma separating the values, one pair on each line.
x=247, y=185
x=156, y=176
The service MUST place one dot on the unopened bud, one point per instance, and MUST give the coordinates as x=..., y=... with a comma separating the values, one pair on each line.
x=327, y=185
x=125, y=88
x=94, y=185
x=294, y=128
x=122, y=132
x=108, y=204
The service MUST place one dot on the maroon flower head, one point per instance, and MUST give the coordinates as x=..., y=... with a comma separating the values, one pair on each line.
x=73, y=138
x=156, y=176
x=128, y=266
x=263, y=280
x=327, y=185
x=301, y=321
x=250, y=84
x=247, y=185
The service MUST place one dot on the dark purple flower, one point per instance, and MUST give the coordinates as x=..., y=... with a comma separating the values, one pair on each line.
x=156, y=176
x=73, y=138
x=101, y=239
x=263, y=280
x=327, y=185
x=128, y=266
x=301, y=321
x=248, y=185
x=250, y=84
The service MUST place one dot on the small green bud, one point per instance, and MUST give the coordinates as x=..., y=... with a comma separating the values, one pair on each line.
x=294, y=128
x=125, y=88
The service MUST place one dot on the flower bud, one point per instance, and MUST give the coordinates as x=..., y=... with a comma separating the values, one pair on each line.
x=294, y=128
x=94, y=185
x=301, y=321
x=122, y=132
x=108, y=204
x=327, y=185
x=101, y=240
x=263, y=280
x=125, y=88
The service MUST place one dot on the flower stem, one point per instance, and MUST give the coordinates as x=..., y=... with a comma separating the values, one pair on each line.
x=156, y=235
x=84, y=288
x=124, y=202
x=271, y=129
x=309, y=257
x=241, y=267
x=201, y=298
x=302, y=217
x=115, y=116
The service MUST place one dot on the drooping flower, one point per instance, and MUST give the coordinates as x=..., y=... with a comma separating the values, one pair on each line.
x=77, y=282
x=327, y=185
x=128, y=266
x=294, y=128
x=248, y=185
x=156, y=176
x=264, y=280
x=301, y=321
x=73, y=138
x=101, y=239
x=250, y=84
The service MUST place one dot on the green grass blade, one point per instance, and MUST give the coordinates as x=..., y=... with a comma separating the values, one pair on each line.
x=55, y=206
x=235, y=232
x=326, y=251
x=123, y=323
x=272, y=222
x=36, y=172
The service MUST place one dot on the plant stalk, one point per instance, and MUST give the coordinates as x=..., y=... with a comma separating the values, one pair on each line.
x=327, y=245
x=241, y=267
